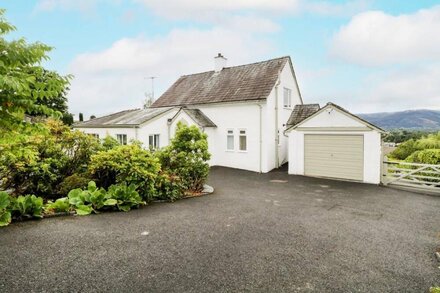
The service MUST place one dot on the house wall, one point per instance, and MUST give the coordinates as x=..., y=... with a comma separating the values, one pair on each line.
x=234, y=116
x=323, y=124
x=103, y=132
x=275, y=101
x=157, y=125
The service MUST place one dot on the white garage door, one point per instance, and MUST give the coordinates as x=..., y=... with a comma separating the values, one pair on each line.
x=335, y=156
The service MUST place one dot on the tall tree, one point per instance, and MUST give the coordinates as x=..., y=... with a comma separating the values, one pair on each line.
x=24, y=83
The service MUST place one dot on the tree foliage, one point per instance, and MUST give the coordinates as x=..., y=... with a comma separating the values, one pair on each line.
x=25, y=86
x=420, y=150
x=428, y=156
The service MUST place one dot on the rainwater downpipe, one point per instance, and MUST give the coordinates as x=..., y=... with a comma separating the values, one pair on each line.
x=169, y=121
x=277, y=163
x=261, y=137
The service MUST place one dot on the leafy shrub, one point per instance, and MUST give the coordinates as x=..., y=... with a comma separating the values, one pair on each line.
x=428, y=156
x=28, y=206
x=109, y=143
x=126, y=196
x=89, y=200
x=187, y=157
x=72, y=182
x=94, y=199
x=168, y=187
x=61, y=205
x=37, y=162
x=405, y=149
x=5, y=211
x=126, y=164
x=431, y=141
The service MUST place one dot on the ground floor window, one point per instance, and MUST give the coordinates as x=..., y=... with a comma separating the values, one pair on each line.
x=122, y=138
x=153, y=141
x=95, y=135
x=243, y=140
x=230, y=140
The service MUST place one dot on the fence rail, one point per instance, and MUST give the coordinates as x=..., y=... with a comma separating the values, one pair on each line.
x=421, y=177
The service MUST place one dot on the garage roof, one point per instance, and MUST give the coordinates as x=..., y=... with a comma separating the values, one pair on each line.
x=339, y=108
x=301, y=112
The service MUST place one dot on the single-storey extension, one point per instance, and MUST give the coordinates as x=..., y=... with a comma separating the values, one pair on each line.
x=331, y=142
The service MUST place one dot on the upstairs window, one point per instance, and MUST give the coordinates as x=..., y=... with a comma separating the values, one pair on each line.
x=153, y=141
x=242, y=140
x=122, y=138
x=230, y=140
x=287, y=98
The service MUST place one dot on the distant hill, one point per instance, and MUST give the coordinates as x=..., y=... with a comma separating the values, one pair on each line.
x=411, y=119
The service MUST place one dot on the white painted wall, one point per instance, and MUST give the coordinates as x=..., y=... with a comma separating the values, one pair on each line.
x=235, y=116
x=332, y=118
x=157, y=125
x=103, y=132
x=286, y=80
x=325, y=120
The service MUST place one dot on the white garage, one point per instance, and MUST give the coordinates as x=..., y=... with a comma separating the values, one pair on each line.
x=331, y=142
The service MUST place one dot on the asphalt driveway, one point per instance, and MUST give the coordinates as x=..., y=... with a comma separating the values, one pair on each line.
x=251, y=235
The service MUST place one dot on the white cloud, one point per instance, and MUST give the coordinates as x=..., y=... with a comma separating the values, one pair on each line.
x=114, y=79
x=410, y=88
x=205, y=9
x=376, y=38
x=327, y=8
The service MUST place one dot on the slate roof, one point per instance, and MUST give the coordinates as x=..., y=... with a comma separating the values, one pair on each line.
x=239, y=83
x=301, y=112
x=199, y=117
x=128, y=118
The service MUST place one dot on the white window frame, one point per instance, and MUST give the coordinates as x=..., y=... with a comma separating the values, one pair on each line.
x=156, y=141
x=228, y=134
x=245, y=135
x=121, y=138
x=287, y=98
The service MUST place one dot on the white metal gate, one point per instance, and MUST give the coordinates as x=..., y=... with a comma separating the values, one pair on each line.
x=421, y=177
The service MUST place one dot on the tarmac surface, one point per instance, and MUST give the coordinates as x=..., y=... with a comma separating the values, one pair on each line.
x=256, y=233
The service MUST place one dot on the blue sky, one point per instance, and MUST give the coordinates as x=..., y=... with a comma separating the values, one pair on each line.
x=366, y=55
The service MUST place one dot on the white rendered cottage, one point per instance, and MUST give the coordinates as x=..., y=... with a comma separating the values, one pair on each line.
x=255, y=120
x=243, y=109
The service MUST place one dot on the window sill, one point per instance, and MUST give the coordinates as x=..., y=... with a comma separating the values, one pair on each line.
x=230, y=151
x=242, y=151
